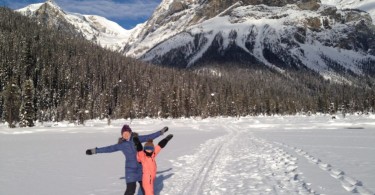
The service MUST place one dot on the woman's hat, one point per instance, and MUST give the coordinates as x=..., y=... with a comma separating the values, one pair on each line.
x=126, y=128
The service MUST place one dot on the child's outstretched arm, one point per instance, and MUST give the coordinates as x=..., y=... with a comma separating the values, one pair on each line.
x=164, y=141
x=139, y=147
x=162, y=144
x=138, y=144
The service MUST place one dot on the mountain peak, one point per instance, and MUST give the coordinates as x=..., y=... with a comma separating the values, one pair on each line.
x=47, y=5
x=98, y=29
x=53, y=4
x=51, y=1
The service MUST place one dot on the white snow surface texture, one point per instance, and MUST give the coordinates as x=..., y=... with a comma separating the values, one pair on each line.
x=248, y=155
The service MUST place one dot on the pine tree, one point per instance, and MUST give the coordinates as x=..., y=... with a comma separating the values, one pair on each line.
x=1, y=107
x=11, y=104
x=27, y=59
x=27, y=110
x=332, y=110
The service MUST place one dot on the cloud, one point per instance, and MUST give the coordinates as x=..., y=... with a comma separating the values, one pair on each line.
x=134, y=9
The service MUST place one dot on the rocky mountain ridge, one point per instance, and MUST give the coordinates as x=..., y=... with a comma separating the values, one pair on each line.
x=98, y=29
x=279, y=34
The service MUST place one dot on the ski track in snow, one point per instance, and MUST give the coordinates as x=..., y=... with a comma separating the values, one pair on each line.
x=349, y=183
x=237, y=163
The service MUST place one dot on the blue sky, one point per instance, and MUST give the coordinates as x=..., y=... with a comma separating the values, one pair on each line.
x=127, y=13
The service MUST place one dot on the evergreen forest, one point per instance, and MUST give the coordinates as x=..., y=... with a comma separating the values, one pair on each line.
x=49, y=75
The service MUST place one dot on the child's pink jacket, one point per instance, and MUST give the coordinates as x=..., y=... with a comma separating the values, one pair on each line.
x=148, y=169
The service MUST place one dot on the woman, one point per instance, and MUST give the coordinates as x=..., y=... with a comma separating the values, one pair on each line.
x=133, y=169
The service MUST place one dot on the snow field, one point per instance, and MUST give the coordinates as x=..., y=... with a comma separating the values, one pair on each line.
x=251, y=155
x=348, y=183
x=238, y=163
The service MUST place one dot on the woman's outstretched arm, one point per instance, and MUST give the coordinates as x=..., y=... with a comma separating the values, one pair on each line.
x=144, y=138
x=107, y=149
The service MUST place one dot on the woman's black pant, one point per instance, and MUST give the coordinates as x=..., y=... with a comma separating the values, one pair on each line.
x=130, y=188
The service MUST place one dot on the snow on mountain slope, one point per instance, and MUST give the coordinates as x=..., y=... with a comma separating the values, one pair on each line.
x=279, y=34
x=365, y=5
x=106, y=33
x=162, y=25
x=323, y=39
x=28, y=10
x=282, y=34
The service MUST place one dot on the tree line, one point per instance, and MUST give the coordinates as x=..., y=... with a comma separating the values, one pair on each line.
x=48, y=75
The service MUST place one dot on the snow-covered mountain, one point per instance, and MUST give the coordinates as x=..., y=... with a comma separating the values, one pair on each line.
x=280, y=34
x=95, y=28
x=331, y=37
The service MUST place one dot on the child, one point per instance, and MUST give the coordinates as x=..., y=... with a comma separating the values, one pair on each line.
x=147, y=156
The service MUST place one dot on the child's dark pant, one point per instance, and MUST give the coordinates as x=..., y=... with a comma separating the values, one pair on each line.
x=130, y=188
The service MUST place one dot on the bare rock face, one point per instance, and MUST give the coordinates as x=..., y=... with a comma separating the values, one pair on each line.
x=313, y=23
x=275, y=3
x=176, y=6
x=213, y=7
x=309, y=4
x=52, y=16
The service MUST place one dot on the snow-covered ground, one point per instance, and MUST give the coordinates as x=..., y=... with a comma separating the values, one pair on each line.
x=251, y=155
